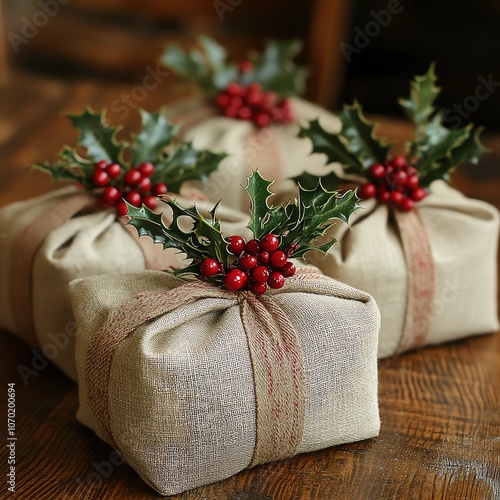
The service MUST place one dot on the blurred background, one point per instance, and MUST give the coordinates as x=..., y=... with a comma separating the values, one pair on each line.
x=364, y=49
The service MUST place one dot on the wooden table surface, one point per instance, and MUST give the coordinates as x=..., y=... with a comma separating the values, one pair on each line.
x=440, y=408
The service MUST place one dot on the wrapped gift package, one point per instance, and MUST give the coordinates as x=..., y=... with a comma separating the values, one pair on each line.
x=56, y=238
x=276, y=151
x=432, y=271
x=192, y=383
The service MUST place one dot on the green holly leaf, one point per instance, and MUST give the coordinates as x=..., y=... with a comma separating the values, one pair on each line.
x=275, y=69
x=360, y=138
x=182, y=163
x=330, y=181
x=198, y=237
x=97, y=137
x=419, y=107
x=334, y=146
x=297, y=224
x=468, y=150
x=155, y=135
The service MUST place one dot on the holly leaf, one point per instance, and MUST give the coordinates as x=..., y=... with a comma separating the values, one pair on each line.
x=419, y=107
x=330, y=181
x=334, y=146
x=275, y=70
x=155, y=135
x=97, y=137
x=259, y=193
x=182, y=163
x=360, y=137
x=469, y=150
x=203, y=239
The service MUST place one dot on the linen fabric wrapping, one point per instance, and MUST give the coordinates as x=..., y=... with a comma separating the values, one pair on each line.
x=55, y=238
x=275, y=150
x=432, y=271
x=192, y=383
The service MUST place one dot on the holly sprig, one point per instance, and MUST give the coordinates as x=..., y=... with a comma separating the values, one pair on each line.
x=280, y=233
x=208, y=66
x=434, y=152
x=138, y=168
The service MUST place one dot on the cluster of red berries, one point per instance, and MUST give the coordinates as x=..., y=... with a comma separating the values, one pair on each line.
x=395, y=183
x=259, y=264
x=133, y=185
x=254, y=104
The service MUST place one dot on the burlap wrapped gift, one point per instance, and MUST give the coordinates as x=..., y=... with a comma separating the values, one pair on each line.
x=276, y=150
x=432, y=271
x=192, y=383
x=55, y=238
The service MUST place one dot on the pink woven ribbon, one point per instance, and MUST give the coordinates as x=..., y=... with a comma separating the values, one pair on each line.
x=275, y=354
x=421, y=279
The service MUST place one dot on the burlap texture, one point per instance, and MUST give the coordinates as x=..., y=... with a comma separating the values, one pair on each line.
x=90, y=243
x=463, y=238
x=182, y=387
x=275, y=150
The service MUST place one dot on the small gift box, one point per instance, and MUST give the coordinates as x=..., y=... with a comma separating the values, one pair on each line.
x=250, y=111
x=425, y=252
x=193, y=381
x=71, y=233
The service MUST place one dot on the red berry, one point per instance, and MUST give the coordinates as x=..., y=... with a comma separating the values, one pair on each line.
x=111, y=195
x=254, y=87
x=121, y=208
x=399, y=162
x=399, y=176
x=134, y=198
x=209, y=267
x=235, y=89
x=377, y=171
x=407, y=205
x=264, y=257
x=235, y=279
x=367, y=190
x=260, y=274
x=236, y=102
x=231, y=112
x=278, y=258
x=132, y=177
x=100, y=178
x=246, y=66
x=101, y=165
x=236, y=244
x=254, y=98
x=146, y=169
x=151, y=202
x=248, y=262
x=223, y=100
x=396, y=197
x=114, y=170
x=144, y=185
x=159, y=189
x=244, y=113
x=258, y=288
x=418, y=194
x=262, y=120
x=383, y=196
x=269, y=242
x=252, y=247
x=411, y=181
x=288, y=269
x=276, y=280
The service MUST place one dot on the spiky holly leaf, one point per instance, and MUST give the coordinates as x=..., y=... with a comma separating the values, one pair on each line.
x=360, y=136
x=298, y=224
x=334, y=146
x=183, y=162
x=97, y=137
x=209, y=68
x=275, y=70
x=155, y=135
x=329, y=181
x=203, y=239
x=419, y=107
